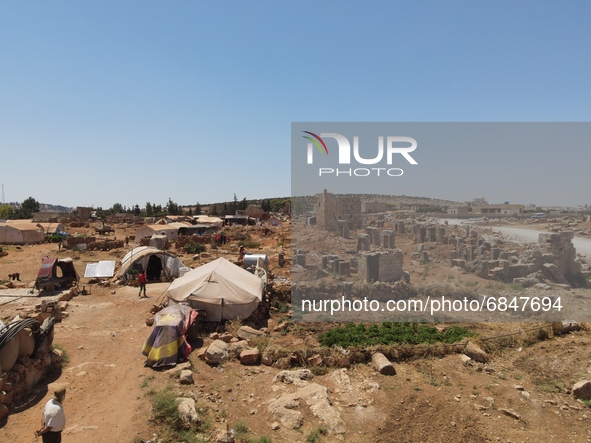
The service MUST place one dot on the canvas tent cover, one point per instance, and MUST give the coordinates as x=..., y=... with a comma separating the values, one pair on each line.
x=220, y=288
x=143, y=256
x=20, y=232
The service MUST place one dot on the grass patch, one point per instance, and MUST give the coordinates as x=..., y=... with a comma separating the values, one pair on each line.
x=65, y=355
x=315, y=435
x=551, y=386
x=251, y=244
x=390, y=333
x=516, y=287
x=241, y=430
x=319, y=370
x=232, y=326
x=147, y=380
x=165, y=413
x=280, y=305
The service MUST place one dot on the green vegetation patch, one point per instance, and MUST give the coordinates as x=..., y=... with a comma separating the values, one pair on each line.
x=390, y=333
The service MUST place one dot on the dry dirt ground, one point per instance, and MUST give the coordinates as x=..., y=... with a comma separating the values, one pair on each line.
x=428, y=400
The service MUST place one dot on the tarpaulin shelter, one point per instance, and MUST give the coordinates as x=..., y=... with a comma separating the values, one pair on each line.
x=158, y=241
x=154, y=262
x=167, y=343
x=56, y=272
x=220, y=288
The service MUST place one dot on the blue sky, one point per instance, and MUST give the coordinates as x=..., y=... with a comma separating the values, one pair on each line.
x=133, y=101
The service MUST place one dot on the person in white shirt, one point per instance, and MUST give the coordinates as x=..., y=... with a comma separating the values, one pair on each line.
x=54, y=418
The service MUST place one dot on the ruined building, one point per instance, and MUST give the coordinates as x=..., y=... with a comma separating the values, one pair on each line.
x=331, y=208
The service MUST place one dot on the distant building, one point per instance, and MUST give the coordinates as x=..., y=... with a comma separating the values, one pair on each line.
x=460, y=210
x=373, y=207
x=504, y=209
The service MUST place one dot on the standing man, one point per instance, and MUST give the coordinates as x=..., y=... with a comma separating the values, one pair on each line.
x=54, y=418
x=142, y=279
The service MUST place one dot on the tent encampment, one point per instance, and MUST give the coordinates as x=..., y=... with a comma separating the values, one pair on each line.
x=155, y=262
x=220, y=288
x=56, y=272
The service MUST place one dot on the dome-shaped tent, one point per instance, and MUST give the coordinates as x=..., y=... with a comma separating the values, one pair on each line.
x=155, y=262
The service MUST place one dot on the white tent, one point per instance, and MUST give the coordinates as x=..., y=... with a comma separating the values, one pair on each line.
x=155, y=262
x=222, y=289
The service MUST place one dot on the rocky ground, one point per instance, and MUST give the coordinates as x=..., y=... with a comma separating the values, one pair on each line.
x=523, y=393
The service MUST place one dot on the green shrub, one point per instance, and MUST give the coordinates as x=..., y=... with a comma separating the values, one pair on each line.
x=251, y=244
x=319, y=370
x=390, y=333
x=65, y=355
x=315, y=434
x=194, y=248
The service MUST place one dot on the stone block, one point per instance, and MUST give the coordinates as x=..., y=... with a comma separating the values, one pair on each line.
x=217, y=353
x=248, y=333
x=582, y=390
x=249, y=356
x=382, y=365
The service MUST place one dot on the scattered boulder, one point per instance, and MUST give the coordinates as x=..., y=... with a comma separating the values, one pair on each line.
x=510, y=413
x=297, y=377
x=282, y=363
x=188, y=412
x=382, y=364
x=223, y=436
x=217, y=353
x=248, y=333
x=267, y=359
x=566, y=326
x=234, y=349
x=475, y=353
x=226, y=337
x=250, y=356
x=315, y=360
x=3, y=411
x=186, y=377
x=582, y=389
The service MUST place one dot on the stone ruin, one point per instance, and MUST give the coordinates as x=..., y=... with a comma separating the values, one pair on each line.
x=27, y=355
x=553, y=260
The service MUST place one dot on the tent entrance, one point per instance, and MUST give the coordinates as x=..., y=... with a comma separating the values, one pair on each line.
x=154, y=271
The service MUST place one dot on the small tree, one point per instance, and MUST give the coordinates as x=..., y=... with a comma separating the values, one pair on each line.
x=6, y=212
x=27, y=208
x=149, y=210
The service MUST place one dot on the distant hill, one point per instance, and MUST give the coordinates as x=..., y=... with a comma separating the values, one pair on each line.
x=45, y=207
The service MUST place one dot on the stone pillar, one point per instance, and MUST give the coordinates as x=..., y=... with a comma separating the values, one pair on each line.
x=387, y=239
x=343, y=228
x=363, y=243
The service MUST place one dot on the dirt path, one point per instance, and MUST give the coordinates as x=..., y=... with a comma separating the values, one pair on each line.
x=102, y=336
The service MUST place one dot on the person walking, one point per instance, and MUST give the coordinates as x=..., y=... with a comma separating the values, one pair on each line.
x=142, y=280
x=54, y=418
